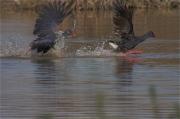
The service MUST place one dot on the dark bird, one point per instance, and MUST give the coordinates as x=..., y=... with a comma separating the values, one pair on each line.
x=123, y=24
x=46, y=28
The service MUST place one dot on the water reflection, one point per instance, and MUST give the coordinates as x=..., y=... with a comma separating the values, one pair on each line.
x=71, y=88
x=67, y=97
x=46, y=88
x=45, y=69
x=156, y=111
x=124, y=69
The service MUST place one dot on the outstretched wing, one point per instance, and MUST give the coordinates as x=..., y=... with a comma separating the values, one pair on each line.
x=49, y=17
x=122, y=18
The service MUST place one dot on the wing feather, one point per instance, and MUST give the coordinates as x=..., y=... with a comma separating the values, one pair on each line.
x=49, y=17
x=123, y=15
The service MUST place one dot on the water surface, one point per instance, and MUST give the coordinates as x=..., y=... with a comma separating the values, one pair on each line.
x=85, y=80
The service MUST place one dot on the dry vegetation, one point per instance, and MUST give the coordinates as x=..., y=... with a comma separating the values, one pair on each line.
x=107, y=4
x=91, y=4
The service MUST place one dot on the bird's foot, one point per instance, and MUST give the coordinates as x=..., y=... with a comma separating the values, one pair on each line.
x=130, y=52
x=129, y=56
x=134, y=52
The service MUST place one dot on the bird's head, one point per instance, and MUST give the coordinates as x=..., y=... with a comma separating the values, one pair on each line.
x=69, y=33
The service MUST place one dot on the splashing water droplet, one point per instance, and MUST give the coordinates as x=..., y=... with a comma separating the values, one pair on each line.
x=14, y=46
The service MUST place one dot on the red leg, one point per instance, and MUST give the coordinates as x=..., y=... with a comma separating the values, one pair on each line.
x=134, y=52
x=127, y=56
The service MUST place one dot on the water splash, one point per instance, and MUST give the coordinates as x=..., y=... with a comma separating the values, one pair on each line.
x=17, y=46
x=14, y=46
x=98, y=51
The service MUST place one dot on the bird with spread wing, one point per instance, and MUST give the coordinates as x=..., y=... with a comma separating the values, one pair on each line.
x=46, y=28
x=123, y=25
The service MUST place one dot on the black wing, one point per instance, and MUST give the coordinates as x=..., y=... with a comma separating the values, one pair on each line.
x=122, y=18
x=49, y=17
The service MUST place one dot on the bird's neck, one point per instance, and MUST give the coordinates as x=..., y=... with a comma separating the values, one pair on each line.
x=143, y=37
